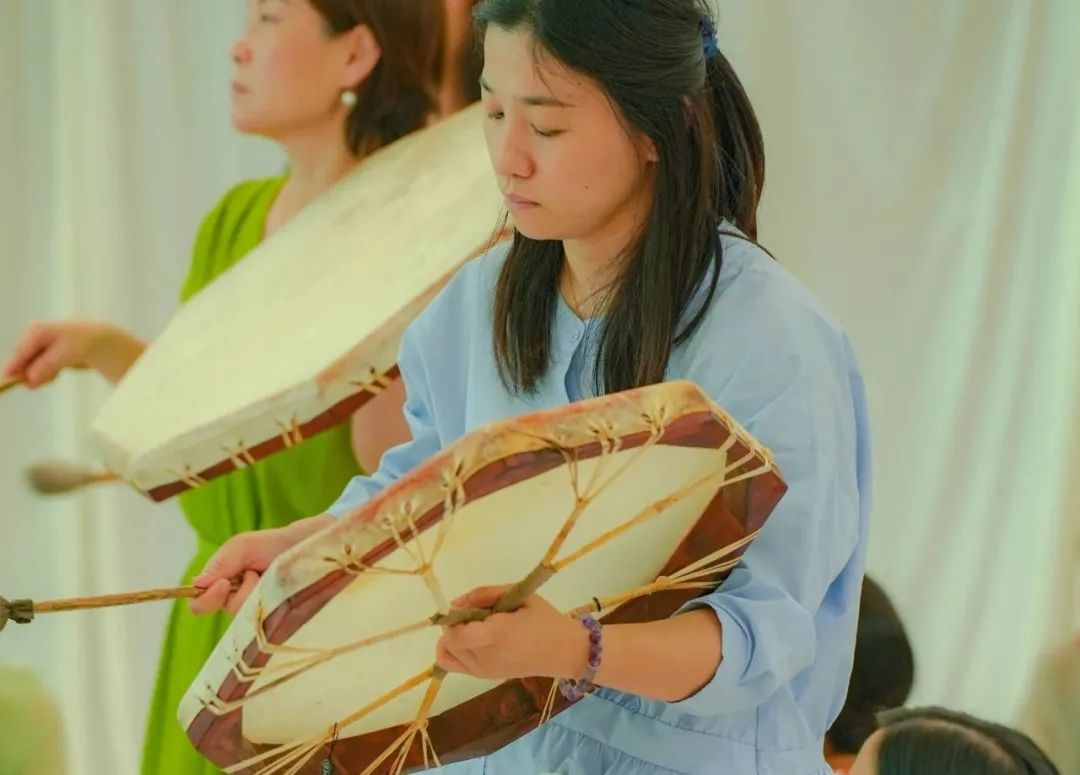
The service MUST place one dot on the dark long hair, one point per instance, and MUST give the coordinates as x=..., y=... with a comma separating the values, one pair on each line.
x=400, y=94
x=951, y=743
x=650, y=57
x=882, y=674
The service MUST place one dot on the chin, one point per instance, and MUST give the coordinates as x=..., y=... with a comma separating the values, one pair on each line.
x=247, y=125
x=535, y=227
x=246, y=115
x=240, y=122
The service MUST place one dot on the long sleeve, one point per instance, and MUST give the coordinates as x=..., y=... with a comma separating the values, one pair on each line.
x=435, y=360
x=399, y=460
x=797, y=391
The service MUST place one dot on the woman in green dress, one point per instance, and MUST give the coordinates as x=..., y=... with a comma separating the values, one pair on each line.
x=331, y=81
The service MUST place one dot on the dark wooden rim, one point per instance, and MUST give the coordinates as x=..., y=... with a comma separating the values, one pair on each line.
x=335, y=415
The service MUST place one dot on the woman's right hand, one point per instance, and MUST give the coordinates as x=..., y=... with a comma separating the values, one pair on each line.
x=243, y=559
x=45, y=349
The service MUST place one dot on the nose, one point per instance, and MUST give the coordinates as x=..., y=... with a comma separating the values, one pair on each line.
x=241, y=51
x=510, y=154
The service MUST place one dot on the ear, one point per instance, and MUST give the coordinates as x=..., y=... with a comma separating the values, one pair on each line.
x=362, y=53
x=647, y=149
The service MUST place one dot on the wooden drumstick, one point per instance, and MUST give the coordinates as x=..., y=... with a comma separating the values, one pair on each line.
x=7, y=383
x=24, y=611
x=54, y=477
x=511, y=600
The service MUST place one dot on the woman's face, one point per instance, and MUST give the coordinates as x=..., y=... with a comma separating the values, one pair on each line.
x=290, y=72
x=564, y=158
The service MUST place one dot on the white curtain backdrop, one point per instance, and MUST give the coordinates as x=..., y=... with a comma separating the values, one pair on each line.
x=924, y=181
x=116, y=140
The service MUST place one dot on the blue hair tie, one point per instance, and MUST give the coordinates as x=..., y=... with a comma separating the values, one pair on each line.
x=708, y=37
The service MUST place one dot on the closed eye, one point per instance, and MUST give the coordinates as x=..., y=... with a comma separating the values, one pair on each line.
x=547, y=133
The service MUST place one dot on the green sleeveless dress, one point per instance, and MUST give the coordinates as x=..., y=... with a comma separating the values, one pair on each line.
x=293, y=484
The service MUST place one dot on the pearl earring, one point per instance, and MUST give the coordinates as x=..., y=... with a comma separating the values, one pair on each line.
x=348, y=98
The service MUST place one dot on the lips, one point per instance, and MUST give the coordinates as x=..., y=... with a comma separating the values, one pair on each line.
x=520, y=201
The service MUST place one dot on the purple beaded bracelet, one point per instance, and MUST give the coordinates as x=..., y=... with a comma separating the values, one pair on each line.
x=575, y=690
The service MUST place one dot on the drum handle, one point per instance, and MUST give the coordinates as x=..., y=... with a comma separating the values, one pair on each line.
x=24, y=611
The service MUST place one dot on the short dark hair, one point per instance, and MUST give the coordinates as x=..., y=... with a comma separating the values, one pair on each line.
x=882, y=672
x=948, y=742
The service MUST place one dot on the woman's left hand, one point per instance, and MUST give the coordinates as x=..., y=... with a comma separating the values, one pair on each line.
x=535, y=640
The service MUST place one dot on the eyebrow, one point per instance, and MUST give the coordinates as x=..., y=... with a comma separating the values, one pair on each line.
x=532, y=101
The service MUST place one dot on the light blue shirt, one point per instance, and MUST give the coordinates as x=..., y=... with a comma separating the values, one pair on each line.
x=769, y=355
